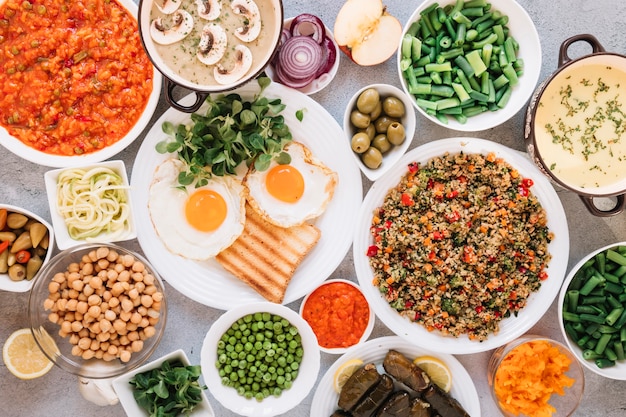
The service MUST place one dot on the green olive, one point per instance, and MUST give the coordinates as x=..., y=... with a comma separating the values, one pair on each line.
x=360, y=142
x=366, y=102
x=383, y=122
x=378, y=110
x=372, y=158
x=396, y=133
x=359, y=120
x=393, y=107
x=370, y=130
x=381, y=143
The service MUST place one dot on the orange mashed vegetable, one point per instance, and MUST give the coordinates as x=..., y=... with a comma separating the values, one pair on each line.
x=338, y=314
x=529, y=375
x=74, y=77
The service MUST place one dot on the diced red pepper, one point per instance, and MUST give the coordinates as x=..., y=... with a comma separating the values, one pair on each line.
x=388, y=224
x=413, y=167
x=527, y=183
x=437, y=235
x=453, y=217
x=372, y=251
x=452, y=194
x=407, y=200
x=543, y=275
x=432, y=255
x=22, y=256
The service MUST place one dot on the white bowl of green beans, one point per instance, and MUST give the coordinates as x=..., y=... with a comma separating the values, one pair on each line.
x=469, y=65
x=260, y=359
x=592, y=311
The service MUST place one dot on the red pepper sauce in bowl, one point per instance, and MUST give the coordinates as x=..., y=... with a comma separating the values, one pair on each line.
x=338, y=313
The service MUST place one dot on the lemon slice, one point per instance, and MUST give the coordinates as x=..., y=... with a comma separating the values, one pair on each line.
x=344, y=372
x=436, y=370
x=22, y=356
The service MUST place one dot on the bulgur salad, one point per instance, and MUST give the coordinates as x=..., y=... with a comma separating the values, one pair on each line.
x=459, y=244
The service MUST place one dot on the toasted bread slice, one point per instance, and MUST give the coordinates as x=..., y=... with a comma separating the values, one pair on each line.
x=265, y=256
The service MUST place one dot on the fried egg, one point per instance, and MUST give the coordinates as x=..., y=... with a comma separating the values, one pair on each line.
x=290, y=194
x=195, y=223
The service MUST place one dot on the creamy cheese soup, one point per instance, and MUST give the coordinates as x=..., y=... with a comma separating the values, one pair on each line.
x=181, y=56
x=580, y=125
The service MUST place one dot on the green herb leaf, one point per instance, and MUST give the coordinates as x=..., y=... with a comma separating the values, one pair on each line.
x=230, y=132
x=300, y=115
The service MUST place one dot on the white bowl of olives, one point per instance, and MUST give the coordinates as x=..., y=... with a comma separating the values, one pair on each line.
x=379, y=124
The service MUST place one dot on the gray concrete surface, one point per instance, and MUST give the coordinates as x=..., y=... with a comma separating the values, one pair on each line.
x=22, y=184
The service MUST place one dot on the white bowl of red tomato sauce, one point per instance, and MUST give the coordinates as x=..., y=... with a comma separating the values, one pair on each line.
x=339, y=315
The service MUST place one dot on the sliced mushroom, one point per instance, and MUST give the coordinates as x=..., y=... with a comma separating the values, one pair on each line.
x=182, y=24
x=168, y=6
x=212, y=44
x=209, y=9
x=243, y=62
x=252, y=22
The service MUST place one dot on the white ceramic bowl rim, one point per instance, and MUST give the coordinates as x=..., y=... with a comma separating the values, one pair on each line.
x=523, y=29
x=25, y=285
x=617, y=372
x=396, y=152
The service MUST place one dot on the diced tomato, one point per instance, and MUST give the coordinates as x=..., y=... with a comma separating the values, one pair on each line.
x=452, y=194
x=527, y=183
x=453, y=217
x=437, y=235
x=543, y=275
x=407, y=200
x=522, y=191
x=413, y=167
x=372, y=251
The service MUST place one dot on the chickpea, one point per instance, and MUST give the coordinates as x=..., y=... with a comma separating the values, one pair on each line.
x=125, y=355
x=66, y=327
x=138, y=267
x=102, y=252
x=53, y=287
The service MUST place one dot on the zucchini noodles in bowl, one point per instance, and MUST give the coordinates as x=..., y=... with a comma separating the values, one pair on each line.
x=90, y=204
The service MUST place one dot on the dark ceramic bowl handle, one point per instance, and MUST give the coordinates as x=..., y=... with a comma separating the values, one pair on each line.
x=617, y=209
x=169, y=96
x=590, y=39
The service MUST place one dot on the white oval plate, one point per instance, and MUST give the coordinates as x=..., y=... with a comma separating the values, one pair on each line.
x=538, y=302
x=59, y=161
x=270, y=406
x=207, y=282
x=325, y=398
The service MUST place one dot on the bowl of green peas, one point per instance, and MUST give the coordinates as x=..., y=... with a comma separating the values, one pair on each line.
x=469, y=65
x=260, y=359
x=592, y=311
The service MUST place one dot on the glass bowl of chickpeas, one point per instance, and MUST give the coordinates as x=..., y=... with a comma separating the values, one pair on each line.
x=97, y=310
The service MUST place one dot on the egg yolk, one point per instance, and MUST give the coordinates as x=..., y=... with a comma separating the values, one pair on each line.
x=285, y=183
x=205, y=210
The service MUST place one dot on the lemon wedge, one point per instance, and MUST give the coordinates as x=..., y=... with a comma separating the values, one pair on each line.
x=22, y=356
x=344, y=372
x=436, y=370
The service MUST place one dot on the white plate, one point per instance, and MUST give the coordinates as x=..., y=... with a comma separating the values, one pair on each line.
x=270, y=406
x=325, y=399
x=63, y=238
x=124, y=390
x=538, y=302
x=207, y=282
x=59, y=161
x=323, y=80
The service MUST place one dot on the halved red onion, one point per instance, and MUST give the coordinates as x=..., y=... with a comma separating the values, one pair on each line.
x=300, y=57
x=307, y=24
x=331, y=56
x=290, y=82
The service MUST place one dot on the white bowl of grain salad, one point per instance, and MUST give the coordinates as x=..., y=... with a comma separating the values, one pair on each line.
x=468, y=199
x=97, y=310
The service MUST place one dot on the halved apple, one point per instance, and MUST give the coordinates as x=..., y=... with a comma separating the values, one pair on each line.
x=366, y=32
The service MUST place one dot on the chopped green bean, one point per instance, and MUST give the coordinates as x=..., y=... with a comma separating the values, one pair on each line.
x=459, y=43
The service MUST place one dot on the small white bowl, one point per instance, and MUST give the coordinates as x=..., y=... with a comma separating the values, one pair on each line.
x=64, y=241
x=323, y=80
x=396, y=152
x=617, y=372
x=270, y=406
x=523, y=30
x=6, y=284
x=370, y=321
x=124, y=389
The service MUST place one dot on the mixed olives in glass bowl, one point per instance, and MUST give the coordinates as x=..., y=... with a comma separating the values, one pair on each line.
x=379, y=123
